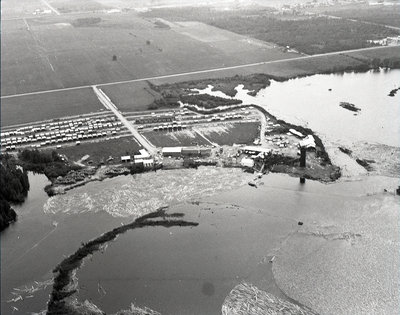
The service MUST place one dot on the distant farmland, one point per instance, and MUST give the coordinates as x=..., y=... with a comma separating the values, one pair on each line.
x=30, y=108
x=59, y=51
x=307, y=34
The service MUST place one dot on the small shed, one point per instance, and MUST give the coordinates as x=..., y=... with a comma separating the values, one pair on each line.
x=148, y=162
x=125, y=158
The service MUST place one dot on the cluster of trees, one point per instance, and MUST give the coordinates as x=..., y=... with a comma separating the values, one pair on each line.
x=311, y=36
x=48, y=162
x=208, y=101
x=14, y=186
x=365, y=65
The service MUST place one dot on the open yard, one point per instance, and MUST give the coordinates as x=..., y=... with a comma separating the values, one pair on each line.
x=233, y=133
x=174, y=139
x=102, y=150
x=31, y=108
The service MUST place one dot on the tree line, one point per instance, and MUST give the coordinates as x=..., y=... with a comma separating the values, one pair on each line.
x=14, y=186
x=49, y=163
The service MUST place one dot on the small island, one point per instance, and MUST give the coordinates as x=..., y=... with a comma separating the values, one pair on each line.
x=349, y=106
x=393, y=92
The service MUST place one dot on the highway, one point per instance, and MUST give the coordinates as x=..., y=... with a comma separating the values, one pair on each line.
x=174, y=75
x=105, y=100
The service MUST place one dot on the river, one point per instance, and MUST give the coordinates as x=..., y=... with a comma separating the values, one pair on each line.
x=314, y=102
x=191, y=270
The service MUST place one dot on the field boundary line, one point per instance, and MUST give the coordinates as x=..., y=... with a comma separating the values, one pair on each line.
x=174, y=75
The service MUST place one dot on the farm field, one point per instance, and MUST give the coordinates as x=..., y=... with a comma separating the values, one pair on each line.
x=318, y=34
x=233, y=133
x=30, y=108
x=174, y=139
x=85, y=49
x=100, y=151
x=135, y=96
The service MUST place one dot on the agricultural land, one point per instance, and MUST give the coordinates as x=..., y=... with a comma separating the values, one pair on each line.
x=319, y=34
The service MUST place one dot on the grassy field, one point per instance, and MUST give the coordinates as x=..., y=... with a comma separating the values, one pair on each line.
x=131, y=96
x=30, y=108
x=174, y=139
x=73, y=50
x=102, y=150
x=234, y=133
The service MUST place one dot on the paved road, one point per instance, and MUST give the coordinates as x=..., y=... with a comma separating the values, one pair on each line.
x=194, y=72
x=104, y=99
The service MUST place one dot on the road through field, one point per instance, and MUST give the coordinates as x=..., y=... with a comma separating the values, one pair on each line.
x=103, y=98
x=196, y=72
